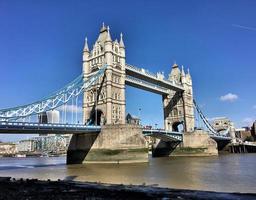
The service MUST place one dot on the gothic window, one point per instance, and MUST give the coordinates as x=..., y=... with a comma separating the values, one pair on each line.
x=175, y=112
x=116, y=49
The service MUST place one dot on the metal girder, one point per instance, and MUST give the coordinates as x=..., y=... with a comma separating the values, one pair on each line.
x=55, y=100
x=35, y=128
x=213, y=132
x=170, y=135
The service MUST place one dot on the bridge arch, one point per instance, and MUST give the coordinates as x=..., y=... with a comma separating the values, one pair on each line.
x=178, y=126
x=97, y=117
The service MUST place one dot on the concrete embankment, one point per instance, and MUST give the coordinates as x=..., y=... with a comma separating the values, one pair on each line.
x=37, y=189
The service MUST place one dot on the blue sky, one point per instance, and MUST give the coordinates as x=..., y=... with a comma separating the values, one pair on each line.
x=41, y=46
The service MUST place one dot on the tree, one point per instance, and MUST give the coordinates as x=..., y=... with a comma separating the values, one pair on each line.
x=249, y=139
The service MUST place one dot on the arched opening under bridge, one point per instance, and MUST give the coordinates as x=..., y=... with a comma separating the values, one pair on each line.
x=178, y=126
x=97, y=117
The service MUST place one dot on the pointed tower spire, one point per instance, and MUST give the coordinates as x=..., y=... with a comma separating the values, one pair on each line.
x=86, y=48
x=175, y=65
x=103, y=28
x=182, y=71
x=108, y=36
x=121, y=43
x=188, y=74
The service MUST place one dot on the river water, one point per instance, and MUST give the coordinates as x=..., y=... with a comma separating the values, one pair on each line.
x=227, y=173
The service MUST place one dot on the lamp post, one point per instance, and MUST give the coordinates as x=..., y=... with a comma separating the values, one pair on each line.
x=139, y=115
x=95, y=123
x=156, y=126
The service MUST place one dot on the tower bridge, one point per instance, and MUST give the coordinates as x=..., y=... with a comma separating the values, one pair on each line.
x=102, y=85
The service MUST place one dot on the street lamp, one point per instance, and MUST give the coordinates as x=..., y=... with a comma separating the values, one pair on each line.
x=139, y=115
x=156, y=126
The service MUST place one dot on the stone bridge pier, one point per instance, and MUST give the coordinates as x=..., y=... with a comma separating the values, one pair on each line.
x=114, y=144
x=196, y=143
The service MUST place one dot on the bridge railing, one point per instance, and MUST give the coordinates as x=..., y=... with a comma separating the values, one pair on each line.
x=50, y=125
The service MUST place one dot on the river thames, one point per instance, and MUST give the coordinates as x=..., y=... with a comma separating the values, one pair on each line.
x=225, y=173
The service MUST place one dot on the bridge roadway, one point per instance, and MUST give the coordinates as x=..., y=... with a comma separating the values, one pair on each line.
x=36, y=128
x=220, y=137
x=164, y=134
x=54, y=128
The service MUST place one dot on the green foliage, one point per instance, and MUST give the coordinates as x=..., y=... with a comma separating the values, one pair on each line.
x=249, y=139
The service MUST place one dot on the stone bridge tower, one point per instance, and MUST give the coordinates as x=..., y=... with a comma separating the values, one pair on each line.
x=178, y=107
x=104, y=103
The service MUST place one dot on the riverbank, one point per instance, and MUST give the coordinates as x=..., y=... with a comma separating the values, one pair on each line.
x=38, y=189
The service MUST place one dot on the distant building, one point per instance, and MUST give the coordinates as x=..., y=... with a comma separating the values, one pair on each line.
x=131, y=119
x=51, y=143
x=8, y=149
x=243, y=133
x=253, y=130
x=53, y=116
x=26, y=145
x=49, y=117
x=42, y=118
x=221, y=124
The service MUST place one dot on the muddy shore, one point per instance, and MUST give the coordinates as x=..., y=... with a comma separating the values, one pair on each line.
x=38, y=189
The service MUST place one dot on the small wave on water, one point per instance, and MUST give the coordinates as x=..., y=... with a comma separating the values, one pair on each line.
x=29, y=163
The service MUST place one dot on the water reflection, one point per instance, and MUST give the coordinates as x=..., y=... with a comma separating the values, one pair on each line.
x=234, y=172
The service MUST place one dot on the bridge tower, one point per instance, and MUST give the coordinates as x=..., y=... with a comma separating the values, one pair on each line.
x=178, y=107
x=104, y=103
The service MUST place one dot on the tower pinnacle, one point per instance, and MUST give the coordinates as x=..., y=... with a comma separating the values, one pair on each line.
x=121, y=43
x=86, y=48
x=108, y=36
x=182, y=71
x=175, y=65
x=103, y=28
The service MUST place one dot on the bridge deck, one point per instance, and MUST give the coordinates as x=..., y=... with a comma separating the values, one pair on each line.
x=164, y=134
x=37, y=128
x=220, y=137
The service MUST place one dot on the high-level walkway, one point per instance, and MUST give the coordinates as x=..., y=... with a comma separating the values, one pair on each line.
x=143, y=79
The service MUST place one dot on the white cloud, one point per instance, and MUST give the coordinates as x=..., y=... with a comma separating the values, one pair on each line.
x=229, y=97
x=70, y=108
x=244, y=27
x=214, y=118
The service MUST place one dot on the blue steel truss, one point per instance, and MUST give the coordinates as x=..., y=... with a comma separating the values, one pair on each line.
x=35, y=128
x=57, y=99
x=213, y=132
x=164, y=134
